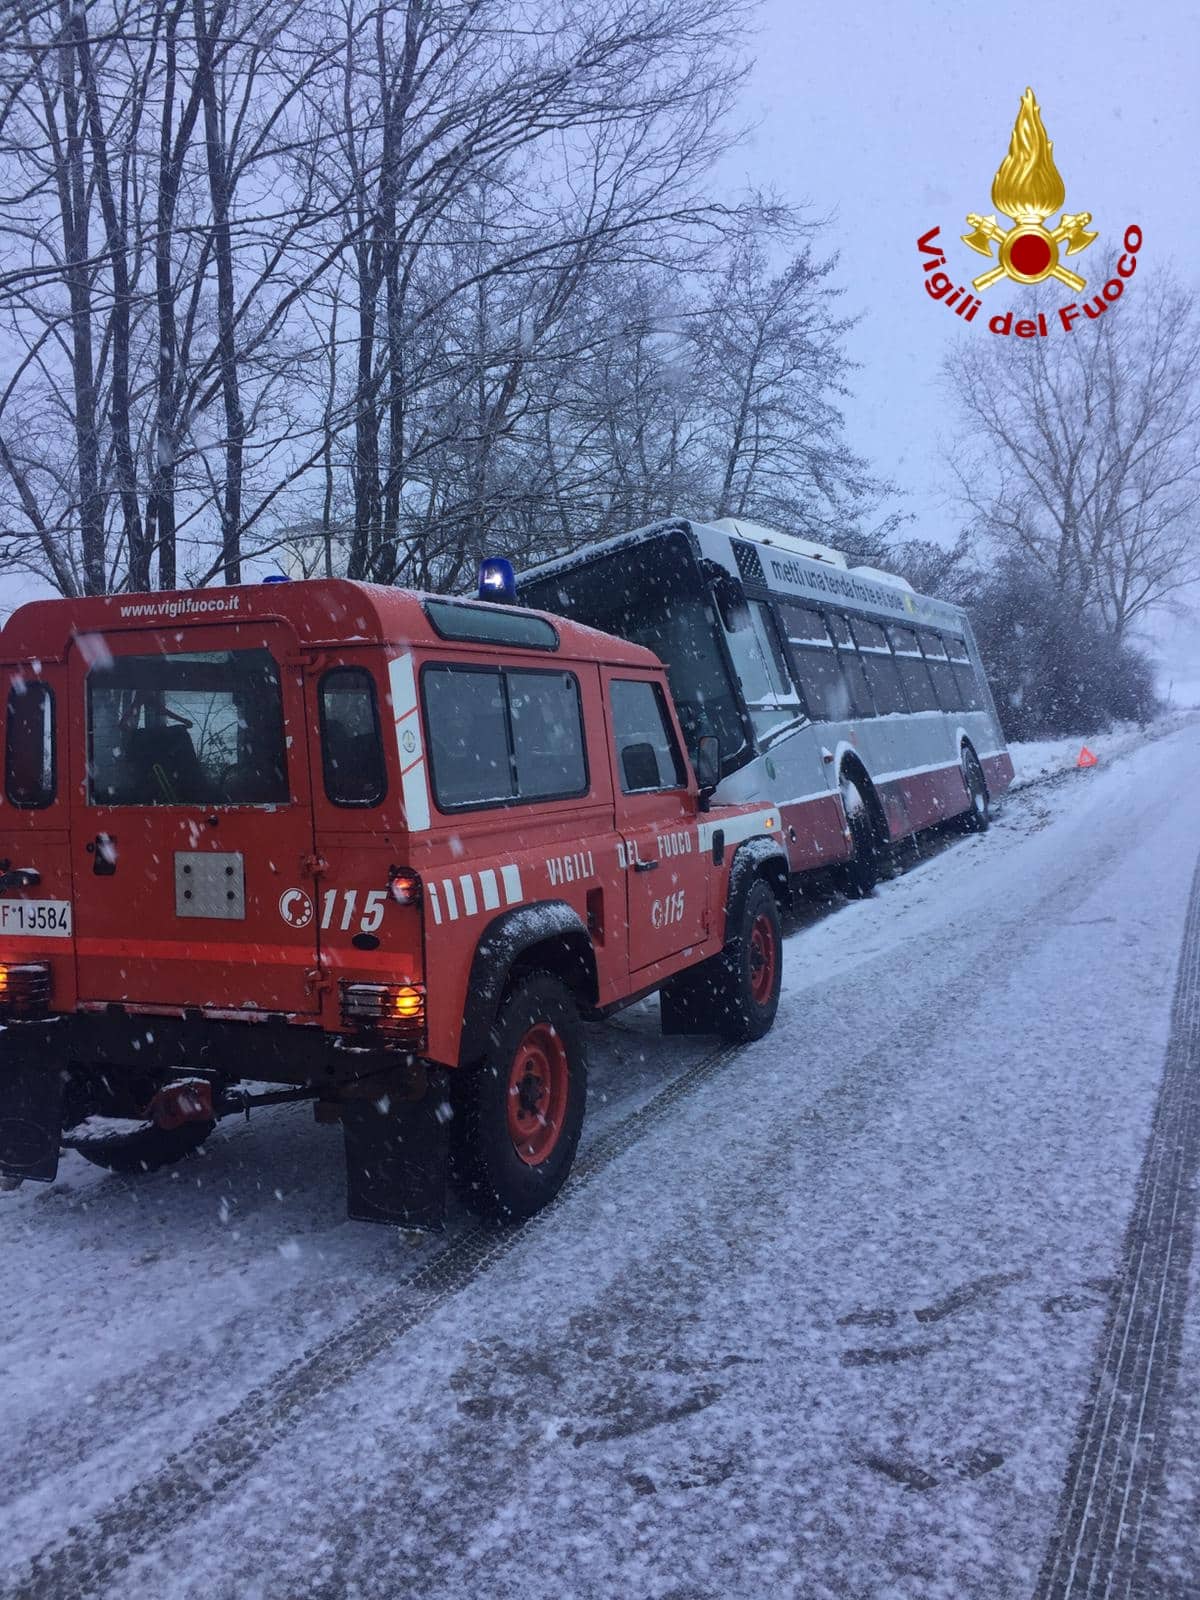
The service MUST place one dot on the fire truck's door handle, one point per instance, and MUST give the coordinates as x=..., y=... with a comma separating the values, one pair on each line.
x=103, y=852
x=644, y=866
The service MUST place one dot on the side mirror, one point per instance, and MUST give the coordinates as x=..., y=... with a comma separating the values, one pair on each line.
x=708, y=765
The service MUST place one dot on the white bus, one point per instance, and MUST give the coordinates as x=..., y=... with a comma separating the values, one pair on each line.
x=854, y=705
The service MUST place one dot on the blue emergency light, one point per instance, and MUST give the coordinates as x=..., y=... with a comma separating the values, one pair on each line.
x=277, y=577
x=497, y=581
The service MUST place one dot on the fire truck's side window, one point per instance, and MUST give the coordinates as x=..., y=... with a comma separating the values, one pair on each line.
x=29, y=757
x=468, y=740
x=647, y=754
x=351, y=748
x=186, y=729
x=547, y=734
x=502, y=737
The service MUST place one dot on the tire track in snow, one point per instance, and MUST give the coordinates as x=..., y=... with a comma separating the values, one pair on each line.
x=1117, y=1464
x=92, y=1553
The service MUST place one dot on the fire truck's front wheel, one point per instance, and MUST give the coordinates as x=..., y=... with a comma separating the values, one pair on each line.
x=749, y=971
x=518, y=1114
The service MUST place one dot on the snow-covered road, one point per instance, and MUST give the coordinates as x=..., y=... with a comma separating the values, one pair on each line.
x=829, y=1316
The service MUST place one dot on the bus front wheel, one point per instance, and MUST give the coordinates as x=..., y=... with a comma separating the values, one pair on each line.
x=860, y=874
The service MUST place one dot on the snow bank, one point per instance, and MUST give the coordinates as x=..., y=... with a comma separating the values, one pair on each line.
x=1035, y=760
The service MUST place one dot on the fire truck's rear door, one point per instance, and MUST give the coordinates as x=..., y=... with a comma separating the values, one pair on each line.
x=191, y=819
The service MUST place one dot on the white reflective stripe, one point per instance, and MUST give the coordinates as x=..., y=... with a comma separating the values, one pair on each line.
x=431, y=890
x=807, y=799
x=511, y=878
x=451, y=899
x=738, y=829
x=915, y=772
x=491, y=893
x=403, y=684
x=467, y=885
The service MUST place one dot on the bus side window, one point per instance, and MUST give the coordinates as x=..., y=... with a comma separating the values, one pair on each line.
x=964, y=674
x=817, y=665
x=860, y=691
x=880, y=667
x=941, y=671
x=762, y=670
x=914, y=674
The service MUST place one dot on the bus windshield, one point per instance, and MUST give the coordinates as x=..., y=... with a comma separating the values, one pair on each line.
x=654, y=594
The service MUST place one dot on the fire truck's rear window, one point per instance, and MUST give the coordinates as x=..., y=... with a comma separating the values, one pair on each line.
x=187, y=729
x=29, y=752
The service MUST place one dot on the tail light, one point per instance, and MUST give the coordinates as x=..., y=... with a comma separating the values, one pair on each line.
x=394, y=1010
x=404, y=886
x=24, y=987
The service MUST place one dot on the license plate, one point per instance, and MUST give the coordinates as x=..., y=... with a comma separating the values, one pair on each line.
x=44, y=919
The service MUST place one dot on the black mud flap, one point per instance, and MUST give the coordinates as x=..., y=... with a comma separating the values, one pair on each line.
x=687, y=1003
x=396, y=1157
x=31, y=1115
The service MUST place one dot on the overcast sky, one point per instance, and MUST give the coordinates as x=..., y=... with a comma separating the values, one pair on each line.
x=897, y=116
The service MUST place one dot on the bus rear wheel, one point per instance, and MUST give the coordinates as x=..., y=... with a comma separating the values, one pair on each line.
x=518, y=1114
x=977, y=818
x=860, y=874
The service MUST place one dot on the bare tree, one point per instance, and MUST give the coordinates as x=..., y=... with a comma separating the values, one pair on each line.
x=391, y=282
x=1081, y=452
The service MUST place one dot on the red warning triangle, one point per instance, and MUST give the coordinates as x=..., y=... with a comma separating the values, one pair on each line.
x=1086, y=758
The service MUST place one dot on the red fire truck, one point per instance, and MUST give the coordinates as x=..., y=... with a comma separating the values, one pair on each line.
x=376, y=849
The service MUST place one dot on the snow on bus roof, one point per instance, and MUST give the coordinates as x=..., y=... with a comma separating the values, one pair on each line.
x=730, y=528
x=604, y=547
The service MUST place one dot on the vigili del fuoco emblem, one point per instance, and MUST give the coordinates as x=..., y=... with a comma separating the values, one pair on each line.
x=1029, y=188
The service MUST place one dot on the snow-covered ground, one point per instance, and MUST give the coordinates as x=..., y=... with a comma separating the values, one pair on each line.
x=818, y=1319
x=1037, y=759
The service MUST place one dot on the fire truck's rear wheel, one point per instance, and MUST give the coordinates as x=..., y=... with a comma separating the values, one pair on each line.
x=519, y=1113
x=145, y=1148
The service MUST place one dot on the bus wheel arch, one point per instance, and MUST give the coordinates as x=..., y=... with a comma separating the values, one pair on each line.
x=868, y=828
x=977, y=818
